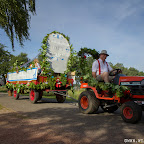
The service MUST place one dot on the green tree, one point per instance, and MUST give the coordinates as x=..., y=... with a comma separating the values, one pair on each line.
x=5, y=58
x=141, y=73
x=15, y=19
x=119, y=65
x=21, y=58
x=133, y=72
x=111, y=65
x=127, y=71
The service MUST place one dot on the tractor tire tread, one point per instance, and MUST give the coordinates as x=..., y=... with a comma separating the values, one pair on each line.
x=137, y=112
x=93, y=102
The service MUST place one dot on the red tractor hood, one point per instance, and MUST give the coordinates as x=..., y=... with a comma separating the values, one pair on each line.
x=130, y=78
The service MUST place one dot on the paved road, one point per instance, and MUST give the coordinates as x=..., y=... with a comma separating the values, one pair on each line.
x=51, y=122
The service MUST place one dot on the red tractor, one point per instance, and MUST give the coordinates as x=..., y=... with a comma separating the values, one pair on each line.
x=131, y=104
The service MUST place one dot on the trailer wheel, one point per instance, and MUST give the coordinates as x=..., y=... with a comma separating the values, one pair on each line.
x=131, y=112
x=15, y=95
x=88, y=103
x=60, y=98
x=110, y=109
x=33, y=96
x=40, y=95
x=142, y=107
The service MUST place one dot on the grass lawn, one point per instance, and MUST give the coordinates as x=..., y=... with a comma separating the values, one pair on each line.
x=54, y=97
x=3, y=89
x=74, y=95
x=51, y=95
x=1, y=107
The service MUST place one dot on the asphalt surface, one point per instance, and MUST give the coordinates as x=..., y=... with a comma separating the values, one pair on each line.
x=63, y=123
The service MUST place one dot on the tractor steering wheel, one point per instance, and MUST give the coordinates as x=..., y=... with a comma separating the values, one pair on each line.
x=115, y=72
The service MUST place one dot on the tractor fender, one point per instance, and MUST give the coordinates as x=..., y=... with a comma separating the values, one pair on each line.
x=98, y=96
x=85, y=85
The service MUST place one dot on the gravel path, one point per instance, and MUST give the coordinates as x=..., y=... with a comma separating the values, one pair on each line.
x=49, y=122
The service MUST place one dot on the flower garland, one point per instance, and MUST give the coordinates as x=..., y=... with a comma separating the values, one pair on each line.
x=45, y=65
x=22, y=87
x=114, y=89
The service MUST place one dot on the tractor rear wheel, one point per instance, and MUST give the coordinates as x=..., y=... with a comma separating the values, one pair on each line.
x=131, y=112
x=15, y=95
x=110, y=109
x=33, y=96
x=88, y=103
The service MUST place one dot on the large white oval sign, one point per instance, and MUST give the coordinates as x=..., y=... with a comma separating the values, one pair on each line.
x=58, y=52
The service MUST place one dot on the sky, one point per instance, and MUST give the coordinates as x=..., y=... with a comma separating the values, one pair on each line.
x=113, y=25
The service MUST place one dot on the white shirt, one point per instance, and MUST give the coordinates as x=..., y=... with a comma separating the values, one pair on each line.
x=38, y=66
x=104, y=67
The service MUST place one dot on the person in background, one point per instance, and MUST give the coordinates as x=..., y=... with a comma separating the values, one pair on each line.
x=36, y=63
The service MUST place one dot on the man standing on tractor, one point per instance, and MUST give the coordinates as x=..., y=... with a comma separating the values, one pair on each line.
x=101, y=69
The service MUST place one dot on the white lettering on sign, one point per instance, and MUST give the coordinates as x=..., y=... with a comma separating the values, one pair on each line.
x=58, y=52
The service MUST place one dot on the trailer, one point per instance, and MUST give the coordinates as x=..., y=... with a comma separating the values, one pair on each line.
x=30, y=76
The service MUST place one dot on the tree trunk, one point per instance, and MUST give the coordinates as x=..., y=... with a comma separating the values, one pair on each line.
x=4, y=79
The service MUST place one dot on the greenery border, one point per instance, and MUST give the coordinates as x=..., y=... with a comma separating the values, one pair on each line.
x=45, y=65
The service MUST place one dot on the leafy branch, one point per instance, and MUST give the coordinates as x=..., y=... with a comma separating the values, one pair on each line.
x=114, y=89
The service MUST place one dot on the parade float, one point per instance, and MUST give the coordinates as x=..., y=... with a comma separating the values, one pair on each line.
x=55, y=76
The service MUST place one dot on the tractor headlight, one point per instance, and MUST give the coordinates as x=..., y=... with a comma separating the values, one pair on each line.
x=125, y=83
x=131, y=83
x=136, y=83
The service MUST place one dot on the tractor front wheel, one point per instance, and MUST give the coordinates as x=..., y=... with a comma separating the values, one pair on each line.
x=15, y=95
x=88, y=103
x=33, y=96
x=131, y=112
